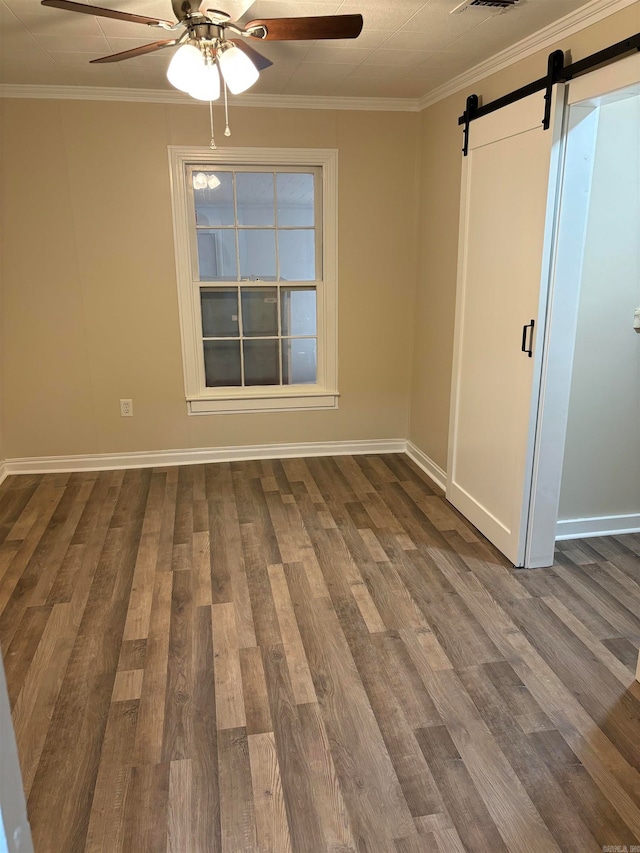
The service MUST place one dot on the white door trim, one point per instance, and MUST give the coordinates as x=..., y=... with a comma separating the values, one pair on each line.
x=584, y=95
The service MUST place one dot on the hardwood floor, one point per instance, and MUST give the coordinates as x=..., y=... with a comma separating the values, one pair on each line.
x=310, y=655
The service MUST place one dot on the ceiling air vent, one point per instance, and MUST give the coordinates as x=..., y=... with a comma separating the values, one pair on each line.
x=484, y=4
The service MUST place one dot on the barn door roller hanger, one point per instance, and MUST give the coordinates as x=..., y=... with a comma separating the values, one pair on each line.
x=557, y=72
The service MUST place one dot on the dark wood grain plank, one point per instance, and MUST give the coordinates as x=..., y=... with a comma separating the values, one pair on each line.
x=237, y=811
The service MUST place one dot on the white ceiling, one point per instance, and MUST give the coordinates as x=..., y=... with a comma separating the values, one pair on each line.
x=406, y=49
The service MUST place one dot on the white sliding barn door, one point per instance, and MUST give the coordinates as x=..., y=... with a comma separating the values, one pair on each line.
x=509, y=187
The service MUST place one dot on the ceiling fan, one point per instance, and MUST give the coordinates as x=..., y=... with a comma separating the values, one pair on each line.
x=208, y=39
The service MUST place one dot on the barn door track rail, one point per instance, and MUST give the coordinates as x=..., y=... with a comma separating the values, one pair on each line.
x=557, y=72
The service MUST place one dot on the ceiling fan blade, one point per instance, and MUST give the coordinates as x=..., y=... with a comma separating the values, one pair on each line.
x=71, y=6
x=261, y=62
x=323, y=27
x=136, y=51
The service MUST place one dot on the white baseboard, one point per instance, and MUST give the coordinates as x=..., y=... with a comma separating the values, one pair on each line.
x=606, y=525
x=429, y=467
x=163, y=458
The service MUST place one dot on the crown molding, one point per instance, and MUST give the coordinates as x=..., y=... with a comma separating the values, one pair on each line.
x=589, y=14
x=572, y=23
x=161, y=96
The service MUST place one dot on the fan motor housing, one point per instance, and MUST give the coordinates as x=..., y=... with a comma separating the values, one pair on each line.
x=201, y=29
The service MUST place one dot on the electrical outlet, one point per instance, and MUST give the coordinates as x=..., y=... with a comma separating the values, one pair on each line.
x=126, y=408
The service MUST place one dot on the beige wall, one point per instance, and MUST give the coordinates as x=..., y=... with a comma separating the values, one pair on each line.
x=441, y=160
x=601, y=472
x=90, y=309
x=2, y=451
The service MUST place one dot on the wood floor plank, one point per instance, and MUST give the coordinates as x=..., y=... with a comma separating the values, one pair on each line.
x=567, y=828
x=15, y=494
x=272, y=826
x=602, y=819
x=324, y=782
x=205, y=792
x=548, y=584
x=585, y=676
x=179, y=807
x=599, y=649
x=230, y=712
x=201, y=551
x=77, y=728
x=310, y=656
x=301, y=682
x=145, y=816
x=610, y=769
x=254, y=691
x=265, y=618
x=237, y=808
x=506, y=798
x=417, y=706
x=374, y=797
x=21, y=651
x=132, y=654
x=140, y=602
x=624, y=650
x=33, y=710
x=460, y=795
x=296, y=772
x=106, y=823
x=411, y=769
x=127, y=685
x=149, y=735
x=178, y=737
x=18, y=580
x=619, y=616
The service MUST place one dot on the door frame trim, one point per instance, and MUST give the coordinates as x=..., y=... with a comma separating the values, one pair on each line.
x=563, y=289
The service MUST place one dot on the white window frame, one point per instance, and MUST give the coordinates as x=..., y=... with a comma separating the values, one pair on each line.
x=202, y=400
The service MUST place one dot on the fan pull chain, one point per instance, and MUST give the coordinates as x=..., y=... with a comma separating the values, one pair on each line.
x=212, y=144
x=227, y=130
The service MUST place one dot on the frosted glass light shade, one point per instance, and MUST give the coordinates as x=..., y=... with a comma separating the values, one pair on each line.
x=184, y=65
x=202, y=181
x=237, y=69
x=205, y=84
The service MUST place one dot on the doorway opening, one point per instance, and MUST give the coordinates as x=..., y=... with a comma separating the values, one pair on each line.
x=587, y=458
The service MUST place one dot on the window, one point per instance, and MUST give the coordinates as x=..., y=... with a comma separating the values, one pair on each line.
x=255, y=233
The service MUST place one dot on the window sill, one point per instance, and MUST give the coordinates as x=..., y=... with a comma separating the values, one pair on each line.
x=263, y=401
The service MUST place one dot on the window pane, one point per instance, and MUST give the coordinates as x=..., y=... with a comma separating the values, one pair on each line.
x=217, y=255
x=259, y=311
x=295, y=198
x=219, y=313
x=261, y=363
x=297, y=254
x=255, y=198
x=299, y=361
x=298, y=310
x=213, y=194
x=257, y=254
x=222, y=363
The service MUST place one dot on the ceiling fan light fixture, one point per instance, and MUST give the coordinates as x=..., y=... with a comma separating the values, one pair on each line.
x=205, y=84
x=238, y=70
x=202, y=180
x=185, y=64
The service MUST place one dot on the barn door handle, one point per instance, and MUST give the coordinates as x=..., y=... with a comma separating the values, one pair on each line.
x=529, y=349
